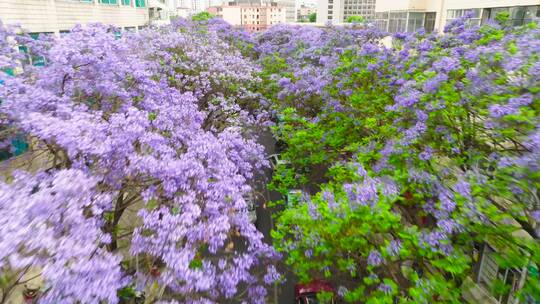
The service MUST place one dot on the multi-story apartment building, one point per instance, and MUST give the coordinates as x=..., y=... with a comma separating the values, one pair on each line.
x=290, y=9
x=410, y=15
x=56, y=16
x=250, y=16
x=304, y=11
x=337, y=11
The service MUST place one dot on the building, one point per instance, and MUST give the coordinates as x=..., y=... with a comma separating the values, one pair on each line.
x=56, y=16
x=161, y=11
x=337, y=11
x=304, y=11
x=250, y=16
x=410, y=15
x=290, y=9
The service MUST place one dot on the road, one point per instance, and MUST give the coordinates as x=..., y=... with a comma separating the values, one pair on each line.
x=283, y=293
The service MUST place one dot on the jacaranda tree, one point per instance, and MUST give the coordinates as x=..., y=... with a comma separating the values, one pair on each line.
x=408, y=157
x=150, y=147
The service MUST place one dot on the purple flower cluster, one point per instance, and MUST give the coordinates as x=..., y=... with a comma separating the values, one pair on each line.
x=166, y=119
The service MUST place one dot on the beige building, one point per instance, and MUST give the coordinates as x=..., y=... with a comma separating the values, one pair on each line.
x=410, y=15
x=303, y=12
x=252, y=17
x=56, y=16
x=338, y=11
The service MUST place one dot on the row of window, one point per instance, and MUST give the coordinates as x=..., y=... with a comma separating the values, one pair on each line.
x=394, y=22
x=358, y=12
x=136, y=3
x=519, y=15
x=403, y=21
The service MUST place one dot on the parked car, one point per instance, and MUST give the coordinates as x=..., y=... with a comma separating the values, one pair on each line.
x=307, y=293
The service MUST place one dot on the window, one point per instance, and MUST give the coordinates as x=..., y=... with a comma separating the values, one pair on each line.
x=490, y=271
x=416, y=21
x=140, y=3
x=521, y=15
x=126, y=2
x=108, y=1
x=454, y=14
x=429, y=24
x=18, y=145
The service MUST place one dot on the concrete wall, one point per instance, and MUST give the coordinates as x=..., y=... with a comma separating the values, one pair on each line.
x=397, y=5
x=464, y=4
x=322, y=11
x=232, y=15
x=59, y=15
x=442, y=6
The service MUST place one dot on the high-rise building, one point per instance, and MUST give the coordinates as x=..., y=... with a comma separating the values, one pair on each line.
x=410, y=15
x=56, y=16
x=337, y=11
x=288, y=5
x=304, y=11
x=290, y=9
x=253, y=17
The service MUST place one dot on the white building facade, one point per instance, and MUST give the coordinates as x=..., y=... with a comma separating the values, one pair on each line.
x=251, y=17
x=410, y=15
x=290, y=9
x=337, y=11
x=57, y=16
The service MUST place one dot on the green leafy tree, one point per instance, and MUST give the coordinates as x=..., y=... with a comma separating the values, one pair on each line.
x=409, y=159
x=356, y=19
x=202, y=16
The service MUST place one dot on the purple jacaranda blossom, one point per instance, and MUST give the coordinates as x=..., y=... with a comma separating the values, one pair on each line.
x=328, y=196
x=387, y=289
x=536, y=215
x=446, y=65
x=463, y=188
x=498, y=111
x=447, y=225
x=374, y=258
x=426, y=155
x=342, y=290
x=425, y=46
x=432, y=85
x=409, y=98
x=150, y=119
x=394, y=248
x=369, y=49
x=312, y=210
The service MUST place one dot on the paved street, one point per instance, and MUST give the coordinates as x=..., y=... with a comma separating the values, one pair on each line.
x=284, y=293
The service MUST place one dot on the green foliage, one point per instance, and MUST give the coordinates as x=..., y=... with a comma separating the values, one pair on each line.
x=202, y=16
x=341, y=154
x=355, y=19
x=312, y=17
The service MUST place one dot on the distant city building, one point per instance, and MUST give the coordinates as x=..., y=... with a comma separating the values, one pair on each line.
x=161, y=11
x=288, y=5
x=257, y=16
x=337, y=11
x=303, y=12
x=59, y=16
x=290, y=9
x=410, y=15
